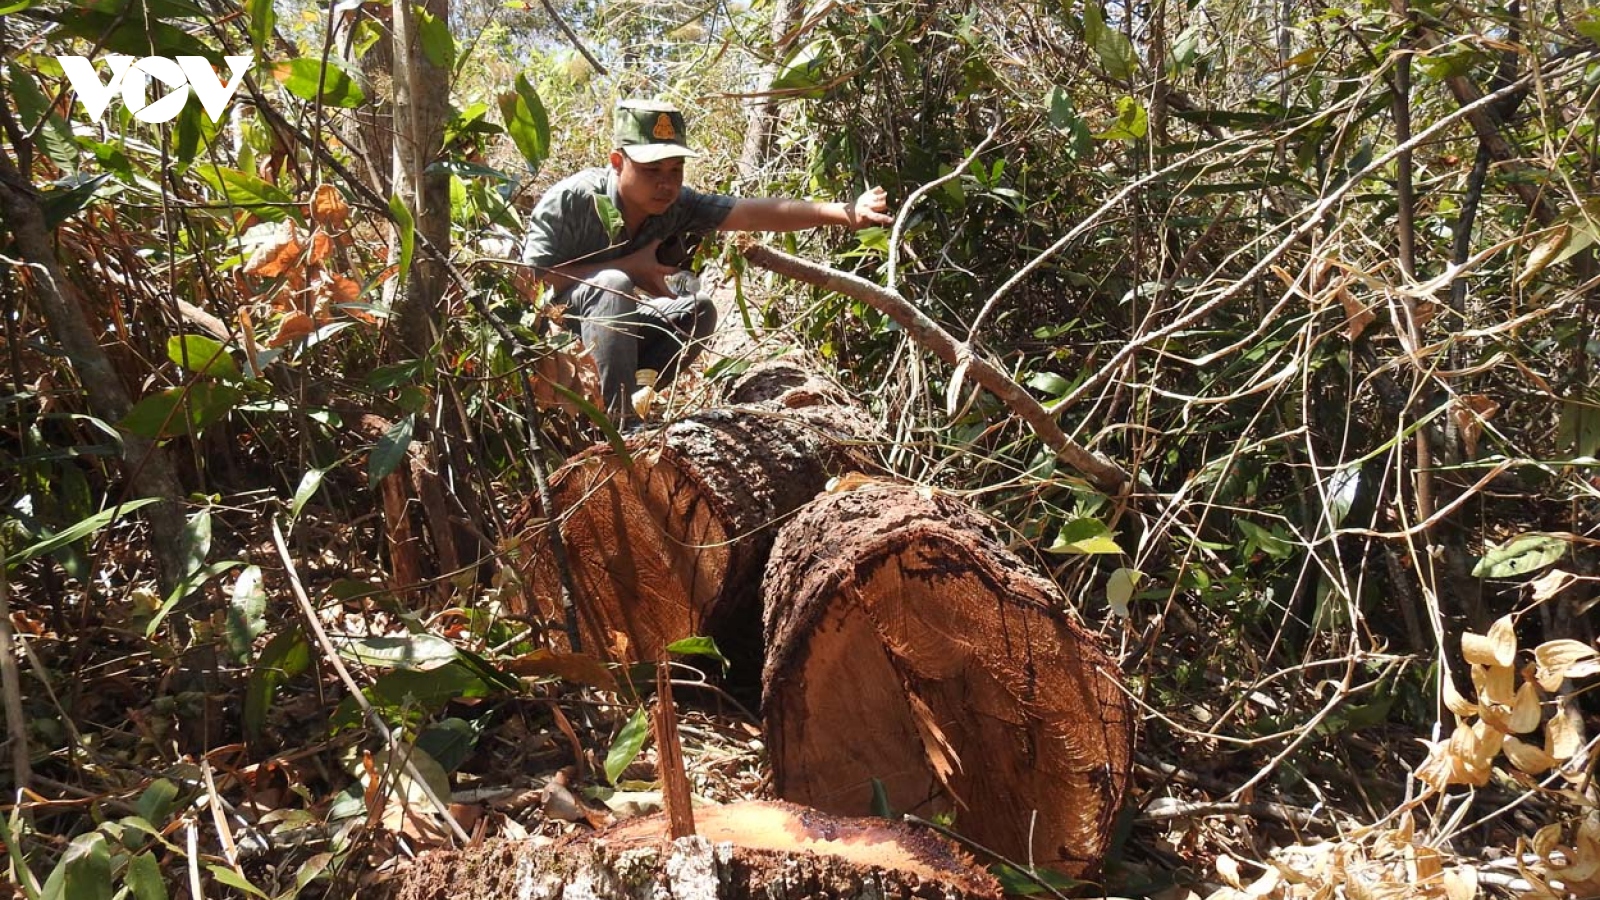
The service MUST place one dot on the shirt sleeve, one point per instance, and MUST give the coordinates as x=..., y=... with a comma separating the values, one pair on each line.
x=704, y=212
x=549, y=231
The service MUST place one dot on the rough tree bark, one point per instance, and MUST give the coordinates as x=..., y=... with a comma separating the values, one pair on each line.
x=669, y=541
x=891, y=605
x=773, y=851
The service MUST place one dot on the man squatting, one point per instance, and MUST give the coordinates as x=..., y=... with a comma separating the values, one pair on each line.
x=615, y=287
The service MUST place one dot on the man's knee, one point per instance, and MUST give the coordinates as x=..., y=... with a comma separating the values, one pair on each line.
x=705, y=318
x=606, y=291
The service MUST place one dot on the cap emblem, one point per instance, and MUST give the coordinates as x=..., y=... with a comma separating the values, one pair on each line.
x=664, y=130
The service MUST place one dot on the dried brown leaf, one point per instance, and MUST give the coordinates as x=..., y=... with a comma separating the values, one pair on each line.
x=292, y=327
x=1543, y=254
x=1525, y=712
x=1456, y=703
x=1526, y=757
x=1563, y=738
x=1461, y=883
x=327, y=207
x=1562, y=659
x=1550, y=584
x=1497, y=648
x=576, y=373
x=280, y=253
x=1470, y=412
x=1357, y=315
x=321, y=247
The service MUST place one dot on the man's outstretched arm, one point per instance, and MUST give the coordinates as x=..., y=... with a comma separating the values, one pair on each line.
x=781, y=214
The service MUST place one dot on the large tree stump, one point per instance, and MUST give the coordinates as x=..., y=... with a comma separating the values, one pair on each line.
x=746, y=851
x=670, y=541
x=906, y=645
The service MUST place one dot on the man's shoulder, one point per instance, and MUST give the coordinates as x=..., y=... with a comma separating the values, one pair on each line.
x=585, y=181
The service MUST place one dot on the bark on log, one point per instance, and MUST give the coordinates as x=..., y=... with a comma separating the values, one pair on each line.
x=671, y=541
x=895, y=609
x=772, y=851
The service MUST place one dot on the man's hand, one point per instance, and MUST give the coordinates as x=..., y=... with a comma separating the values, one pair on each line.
x=648, y=273
x=871, y=208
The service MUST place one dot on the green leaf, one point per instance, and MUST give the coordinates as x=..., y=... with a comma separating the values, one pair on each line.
x=247, y=613
x=301, y=77
x=84, y=872
x=186, y=586
x=450, y=742
x=880, y=801
x=144, y=878
x=1520, y=555
x=598, y=417
x=181, y=410
x=408, y=235
x=68, y=197
x=196, y=540
x=1113, y=47
x=1018, y=882
x=128, y=29
x=699, y=646
x=1064, y=118
x=78, y=531
x=156, y=803
x=1084, y=536
x=527, y=122
x=309, y=483
x=391, y=450
x=268, y=202
x=411, y=651
x=1132, y=122
x=285, y=656
x=1120, y=588
x=1269, y=542
x=227, y=876
x=437, y=44
x=806, y=70
x=55, y=137
x=424, y=690
x=1049, y=383
x=204, y=356
x=627, y=745
x=7, y=9
x=610, y=216
x=263, y=19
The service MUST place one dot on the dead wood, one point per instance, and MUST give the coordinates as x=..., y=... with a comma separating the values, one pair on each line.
x=907, y=646
x=669, y=540
x=747, y=850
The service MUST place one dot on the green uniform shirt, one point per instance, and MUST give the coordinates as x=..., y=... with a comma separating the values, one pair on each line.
x=566, y=225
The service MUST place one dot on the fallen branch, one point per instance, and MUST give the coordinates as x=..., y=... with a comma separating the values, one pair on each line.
x=1105, y=475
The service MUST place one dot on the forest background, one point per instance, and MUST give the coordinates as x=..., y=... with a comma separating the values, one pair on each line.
x=1321, y=278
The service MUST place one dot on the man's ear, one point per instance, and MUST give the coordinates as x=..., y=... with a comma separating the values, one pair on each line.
x=616, y=161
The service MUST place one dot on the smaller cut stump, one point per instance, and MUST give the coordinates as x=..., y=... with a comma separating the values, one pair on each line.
x=907, y=645
x=745, y=851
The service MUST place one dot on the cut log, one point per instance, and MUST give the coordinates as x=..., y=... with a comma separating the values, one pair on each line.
x=907, y=646
x=671, y=541
x=746, y=851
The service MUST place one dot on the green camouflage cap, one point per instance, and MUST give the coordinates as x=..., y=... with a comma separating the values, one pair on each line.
x=650, y=132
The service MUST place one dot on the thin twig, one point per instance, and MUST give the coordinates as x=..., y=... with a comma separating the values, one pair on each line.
x=11, y=683
x=330, y=653
x=573, y=37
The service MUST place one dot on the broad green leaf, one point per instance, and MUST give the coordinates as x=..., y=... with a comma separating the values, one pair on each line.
x=450, y=742
x=527, y=122
x=408, y=235
x=1113, y=47
x=1049, y=383
x=419, y=690
x=128, y=30
x=437, y=44
x=267, y=202
x=144, y=878
x=262, y=20
x=309, y=483
x=411, y=651
x=391, y=450
x=1120, y=588
x=180, y=410
x=204, y=356
x=302, y=76
x=227, y=876
x=247, y=613
x=1064, y=118
x=627, y=745
x=157, y=801
x=1016, y=881
x=1132, y=122
x=806, y=70
x=610, y=216
x=68, y=197
x=55, y=137
x=881, y=807
x=7, y=9
x=598, y=417
x=78, y=531
x=1084, y=536
x=1520, y=555
x=1578, y=429
x=196, y=540
x=1265, y=540
x=698, y=646
x=285, y=656
x=84, y=872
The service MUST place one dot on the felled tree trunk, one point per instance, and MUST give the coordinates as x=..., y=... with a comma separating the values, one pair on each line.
x=907, y=646
x=669, y=541
x=772, y=851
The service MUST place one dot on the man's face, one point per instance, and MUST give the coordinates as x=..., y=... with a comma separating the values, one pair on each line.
x=652, y=187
